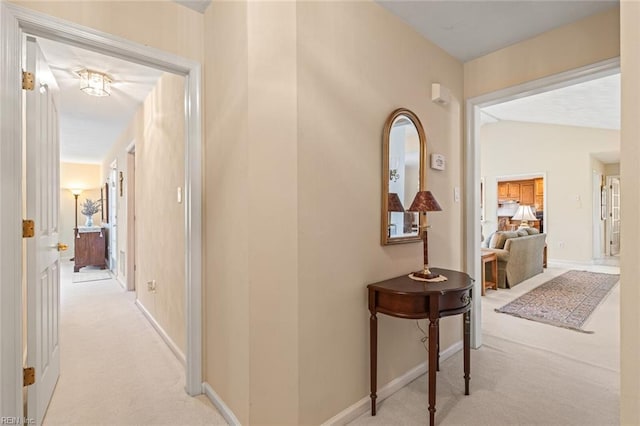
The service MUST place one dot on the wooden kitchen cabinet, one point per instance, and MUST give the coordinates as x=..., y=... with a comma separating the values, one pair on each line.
x=514, y=190
x=503, y=190
x=526, y=194
x=90, y=248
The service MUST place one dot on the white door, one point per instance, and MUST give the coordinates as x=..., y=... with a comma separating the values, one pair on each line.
x=614, y=215
x=43, y=259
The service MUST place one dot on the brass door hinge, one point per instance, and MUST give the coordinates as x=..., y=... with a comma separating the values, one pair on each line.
x=28, y=228
x=27, y=80
x=28, y=376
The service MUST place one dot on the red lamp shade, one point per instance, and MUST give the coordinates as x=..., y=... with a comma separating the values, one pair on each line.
x=394, y=204
x=424, y=202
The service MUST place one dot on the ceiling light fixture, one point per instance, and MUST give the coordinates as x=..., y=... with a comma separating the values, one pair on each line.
x=94, y=83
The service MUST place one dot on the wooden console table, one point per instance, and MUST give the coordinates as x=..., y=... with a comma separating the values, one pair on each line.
x=403, y=297
x=90, y=248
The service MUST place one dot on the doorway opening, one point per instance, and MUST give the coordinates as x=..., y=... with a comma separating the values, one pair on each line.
x=474, y=174
x=18, y=22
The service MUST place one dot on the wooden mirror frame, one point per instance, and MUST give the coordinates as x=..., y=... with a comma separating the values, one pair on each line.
x=385, y=238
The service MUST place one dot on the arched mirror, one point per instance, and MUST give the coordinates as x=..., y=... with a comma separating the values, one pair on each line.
x=403, y=165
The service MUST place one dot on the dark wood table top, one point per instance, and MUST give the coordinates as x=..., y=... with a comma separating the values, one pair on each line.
x=405, y=285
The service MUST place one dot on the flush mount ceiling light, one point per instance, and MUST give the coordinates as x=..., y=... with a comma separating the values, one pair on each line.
x=94, y=83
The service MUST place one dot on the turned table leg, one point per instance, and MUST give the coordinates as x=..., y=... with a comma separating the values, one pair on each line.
x=373, y=341
x=467, y=351
x=433, y=359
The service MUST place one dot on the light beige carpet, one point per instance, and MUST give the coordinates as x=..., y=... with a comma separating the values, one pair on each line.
x=115, y=369
x=90, y=275
x=526, y=373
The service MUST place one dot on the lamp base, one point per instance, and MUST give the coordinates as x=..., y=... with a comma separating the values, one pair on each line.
x=425, y=274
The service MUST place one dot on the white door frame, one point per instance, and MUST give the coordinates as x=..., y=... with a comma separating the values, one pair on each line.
x=130, y=272
x=14, y=22
x=472, y=162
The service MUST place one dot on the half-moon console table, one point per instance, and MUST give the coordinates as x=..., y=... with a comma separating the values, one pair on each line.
x=403, y=297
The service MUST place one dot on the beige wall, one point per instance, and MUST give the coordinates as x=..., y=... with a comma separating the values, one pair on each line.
x=356, y=64
x=159, y=217
x=612, y=169
x=227, y=285
x=76, y=176
x=563, y=153
x=630, y=206
x=162, y=24
x=582, y=43
x=252, y=256
x=255, y=163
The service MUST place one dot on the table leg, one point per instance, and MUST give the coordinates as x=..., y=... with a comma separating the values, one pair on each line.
x=373, y=339
x=495, y=273
x=433, y=332
x=438, y=349
x=467, y=354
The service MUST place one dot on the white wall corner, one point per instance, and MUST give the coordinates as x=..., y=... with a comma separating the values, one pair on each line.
x=351, y=413
x=223, y=408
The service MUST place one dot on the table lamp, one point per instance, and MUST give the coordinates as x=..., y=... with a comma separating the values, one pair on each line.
x=425, y=202
x=524, y=214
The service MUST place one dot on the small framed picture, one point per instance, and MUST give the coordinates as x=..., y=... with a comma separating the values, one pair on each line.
x=437, y=161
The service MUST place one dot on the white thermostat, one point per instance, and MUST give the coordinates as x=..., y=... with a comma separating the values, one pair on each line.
x=437, y=161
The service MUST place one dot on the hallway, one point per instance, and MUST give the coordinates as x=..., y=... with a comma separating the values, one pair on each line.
x=115, y=368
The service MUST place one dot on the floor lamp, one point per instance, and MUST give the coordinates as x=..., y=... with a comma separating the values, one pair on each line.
x=76, y=193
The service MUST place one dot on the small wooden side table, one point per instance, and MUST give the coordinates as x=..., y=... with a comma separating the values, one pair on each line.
x=402, y=297
x=489, y=257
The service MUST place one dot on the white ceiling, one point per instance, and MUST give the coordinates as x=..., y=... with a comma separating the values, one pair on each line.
x=469, y=29
x=594, y=103
x=90, y=125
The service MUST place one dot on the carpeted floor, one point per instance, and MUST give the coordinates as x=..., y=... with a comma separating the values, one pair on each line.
x=86, y=275
x=115, y=368
x=567, y=300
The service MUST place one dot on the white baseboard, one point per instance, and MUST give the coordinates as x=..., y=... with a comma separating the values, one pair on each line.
x=220, y=405
x=356, y=410
x=174, y=348
x=123, y=285
x=568, y=263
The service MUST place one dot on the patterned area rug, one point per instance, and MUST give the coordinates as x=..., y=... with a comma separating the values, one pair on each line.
x=564, y=301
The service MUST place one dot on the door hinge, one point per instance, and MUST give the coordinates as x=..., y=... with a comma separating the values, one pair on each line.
x=28, y=228
x=27, y=80
x=28, y=376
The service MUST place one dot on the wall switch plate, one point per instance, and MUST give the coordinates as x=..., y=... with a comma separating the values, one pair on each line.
x=179, y=195
x=456, y=194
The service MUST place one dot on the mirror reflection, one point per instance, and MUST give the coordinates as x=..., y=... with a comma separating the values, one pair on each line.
x=404, y=151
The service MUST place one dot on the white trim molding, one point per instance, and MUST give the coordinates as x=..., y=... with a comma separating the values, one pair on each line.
x=351, y=413
x=223, y=408
x=172, y=345
x=11, y=342
x=14, y=21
